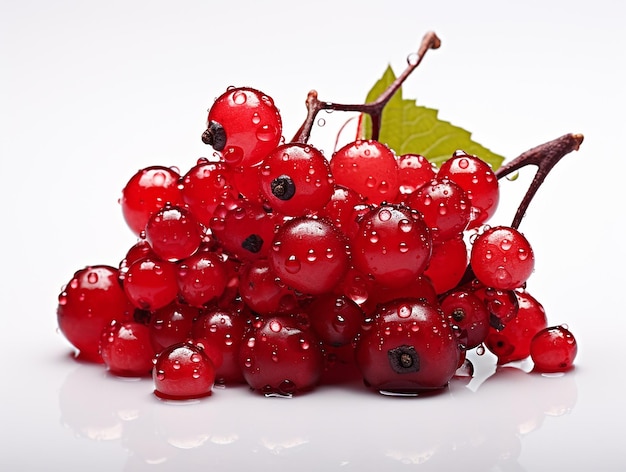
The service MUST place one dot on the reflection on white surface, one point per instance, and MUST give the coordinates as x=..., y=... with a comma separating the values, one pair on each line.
x=482, y=423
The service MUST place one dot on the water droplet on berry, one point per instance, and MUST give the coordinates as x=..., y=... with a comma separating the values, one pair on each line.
x=311, y=256
x=404, y=311
x=176, y=365
x=196, y=357
x=160, y=375
x=92, y=278
x=266, y=133
x=505, y=244
x=239, y=97
x=256, y=119
x=503, y=275
x=370, y=182
x=384, y=215
x=292, y=265
x=522, y=255
x=276, y=326
x=374, y=237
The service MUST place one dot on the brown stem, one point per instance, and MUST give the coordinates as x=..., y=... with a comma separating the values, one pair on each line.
x=544, y=157
x=373, y=109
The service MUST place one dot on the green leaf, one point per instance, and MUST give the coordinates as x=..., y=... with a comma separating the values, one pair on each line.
x=411, y=128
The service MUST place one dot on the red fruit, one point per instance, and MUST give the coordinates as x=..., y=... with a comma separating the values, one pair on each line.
x=202, y=278
x=335, y=319
x=409, y=348
x=393, y=245
x=343, y=209
x=369, y=167
x=280, y=356
x=476, y=177
x=171, y=324
x=262, y=290
x=126, y=349
x=150, y=283
x=309, y=254
x=295, y=179
x=220, y=332
x=414, y=170
x=422, y=288
x=173, y=233
x=182, y=372
x=468, y=314
x=553, y=349
x=512, y=343
x=244, y=125
x=149, y=190
x=501, y=257
x=89, y=303
x=448, y=264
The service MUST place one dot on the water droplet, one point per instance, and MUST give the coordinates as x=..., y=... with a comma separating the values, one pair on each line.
x=92, y=278
x=276, y=326
x=384, y=215
x=292, y=265
x=176, y=365
x=463, y=163
x=239, y=97
x=404, y=311
x=266, y=133
x=370, y=182
x=403, y=247
x=373, y=237
x=505, y=244
x=311, y=256
x=256, y=119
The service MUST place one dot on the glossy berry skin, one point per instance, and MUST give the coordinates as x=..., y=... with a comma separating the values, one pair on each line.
x=409, y=348
x=501, y=257
x=174, y=233
x=150, y=283
x=280, y=356
x=512, y=343
x=343, y=209
x=393, y=245
x=91, y=300
x=369, y=167
x=183, y=372
x=553, y=349
x=202, y=278
x=126, y=349
x=295, y=179
x=171, y=324
x=414, y=170
x=476, y=177
x=262, y=290
x=205, y=186
x=444, y=207
x=468, y=314
x=448, y=264
x=251, y=126
x=309, y=255
x=246, y=230
x=336, y=319
x=502, y=305
x=149, y=190
x=220, y=332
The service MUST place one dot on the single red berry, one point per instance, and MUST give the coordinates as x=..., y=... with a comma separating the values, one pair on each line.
x=202, y=278
x=476, y=177
x=553, y=349
x=126, y=349
x=393, y=244
x=220, y=332
x=150, y=283
x=502, y=305
x=149, y=190
x=91, y=300
x=295, y=179
x=409, y=348
x=512, y=343
x=414, y=170
x=205, y=186
x=279, y=356
x=182, y=372
x=468, y=314
x=244, y=125
x=171, y=324
x=448, y=264
x=501, y=257
x=369, y=167
x=335, y=319
x=174, y=233
x=309, y=254
x=343, y=209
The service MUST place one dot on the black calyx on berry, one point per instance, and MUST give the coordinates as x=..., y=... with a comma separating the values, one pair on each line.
x=252, y=243
x=404, y=359
x=283, y=187
x=215, y=136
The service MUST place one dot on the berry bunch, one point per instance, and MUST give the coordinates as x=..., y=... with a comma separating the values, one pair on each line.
x=278, y=266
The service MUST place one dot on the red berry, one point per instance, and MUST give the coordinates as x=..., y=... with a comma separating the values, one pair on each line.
x=476, y=177
x=150, y=283
x=295, y=179
x=126, y=349
x=409, y=348
x=262, y=290
x=468, y=314
x=501, y=257
x=171, y=324
x=279, y=356
x=448, y=264
x=335, y=319
x=182, y=372
x=393, y=245
x=173, y=233
x=343, y=209
x=414, y=170
x=369, y=167
x=89, y=303
x=512, y=343
x=244, y=125
x=553, y=349
x=149, y=190
x=309, y=255
x=202, y=278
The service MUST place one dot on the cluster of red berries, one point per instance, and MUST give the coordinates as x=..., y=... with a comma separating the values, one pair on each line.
x=273, y=265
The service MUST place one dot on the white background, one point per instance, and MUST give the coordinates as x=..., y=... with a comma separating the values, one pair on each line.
x=92, y=91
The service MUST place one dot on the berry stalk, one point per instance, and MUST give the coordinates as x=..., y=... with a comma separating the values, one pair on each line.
x=373, y=109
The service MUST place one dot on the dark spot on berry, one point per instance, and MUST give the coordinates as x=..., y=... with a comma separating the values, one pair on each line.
x=404, y=359
x=458, y=314
x=283, y=187
x=141, y=316
x=252, y=243
x=495, y=322
x=215, y=136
